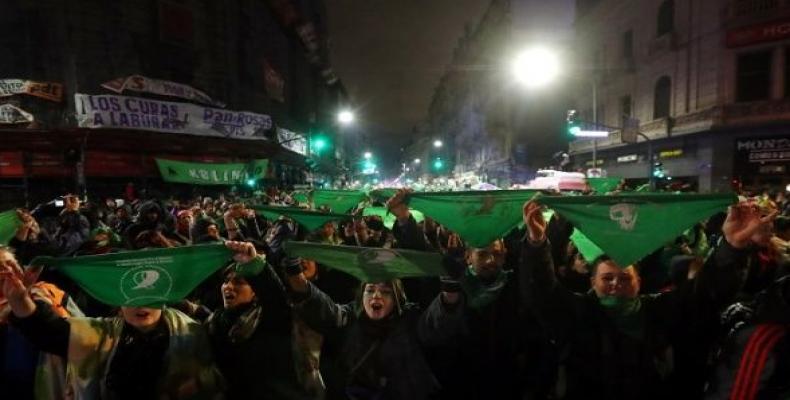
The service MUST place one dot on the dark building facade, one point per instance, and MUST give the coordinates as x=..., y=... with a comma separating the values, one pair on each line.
x=248, y=61
x=707, y=80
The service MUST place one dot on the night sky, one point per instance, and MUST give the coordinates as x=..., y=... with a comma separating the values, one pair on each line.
x=391, y=53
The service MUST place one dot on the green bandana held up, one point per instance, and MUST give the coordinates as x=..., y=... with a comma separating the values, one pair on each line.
x=478, y=217
x=338, y=201
x=9, y=223
x=211, y=174
x=370, y=264
x=311, y=220
x=626, y=313
x=144, y=277
x=627, y=227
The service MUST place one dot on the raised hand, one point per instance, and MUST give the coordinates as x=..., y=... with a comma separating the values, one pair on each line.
x=744, y=220
x=244, y=252
x=396, y=203
x=536, y=225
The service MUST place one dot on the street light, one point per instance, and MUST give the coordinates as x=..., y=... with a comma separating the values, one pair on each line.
x=437, y=143
x=368, y=155
x=345, y=117
x=417, y=161
x=536, y=67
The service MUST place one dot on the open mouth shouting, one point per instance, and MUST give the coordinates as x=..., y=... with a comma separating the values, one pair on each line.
x=378, y=301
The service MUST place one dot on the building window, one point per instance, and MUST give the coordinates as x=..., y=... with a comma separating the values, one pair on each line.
x=625, y=106
x=753, y=81
x=662, y=97
x=666, y=18
x=628, y=44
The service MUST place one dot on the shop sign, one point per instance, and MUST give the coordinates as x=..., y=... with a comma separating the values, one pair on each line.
x=122, y=112
x=764, y=149
x=670, y=153
x=598, y=161
x=760, y=33
x=627, y=158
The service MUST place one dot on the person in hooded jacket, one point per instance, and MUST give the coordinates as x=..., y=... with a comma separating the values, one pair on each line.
x=380, y=338
x=251, y=334
x=150, y=217
x=617, y=344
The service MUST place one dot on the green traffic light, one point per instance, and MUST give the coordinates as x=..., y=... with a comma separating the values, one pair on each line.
x=251, y=182
x=319, y=144
x=575, y=130
x=438, y=164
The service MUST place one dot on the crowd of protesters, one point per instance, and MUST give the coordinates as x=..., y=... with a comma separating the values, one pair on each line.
x=526, y=317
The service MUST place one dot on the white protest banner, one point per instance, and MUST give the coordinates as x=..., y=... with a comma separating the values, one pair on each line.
x=123, y=112
x=138, y=83
x=11, y=114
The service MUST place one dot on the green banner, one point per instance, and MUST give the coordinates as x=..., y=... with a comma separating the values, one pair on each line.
x=144, y=277
x=370, y=264
x=311, y=220
x=211, y=174
x=628, y=227
x=478, y=217
x=387, y=217
x=9, y=223
x=338, y=201
x=603, y=185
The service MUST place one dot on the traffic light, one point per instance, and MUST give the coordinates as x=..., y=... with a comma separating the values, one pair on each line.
x=438, y=164
x=368, y=167
x=658, y=170
x=318, y=144
x=573, y=123
x=251, y=182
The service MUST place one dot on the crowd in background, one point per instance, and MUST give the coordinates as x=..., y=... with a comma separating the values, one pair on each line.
x=525, y=317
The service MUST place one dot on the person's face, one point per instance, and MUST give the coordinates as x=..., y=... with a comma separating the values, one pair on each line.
x=378, y=299
x=236, y=292
x=486, y=262
x=121, y=213
x=185, y=221
x=71, y=203
x=141, y=318
x=610, y=280
x=110, y=204
x=151, y=216
x=328, y=229
x=212, y=231
x=348, y=229
x=237, y=212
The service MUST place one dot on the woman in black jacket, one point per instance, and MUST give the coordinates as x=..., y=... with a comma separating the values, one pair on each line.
x=252, y=335
x=378, y=340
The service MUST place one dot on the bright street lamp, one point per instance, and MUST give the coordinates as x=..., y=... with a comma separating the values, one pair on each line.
x=345, y=117
x=417, y=161
x=536, y=67
x=437, y=143
x=368, y=155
